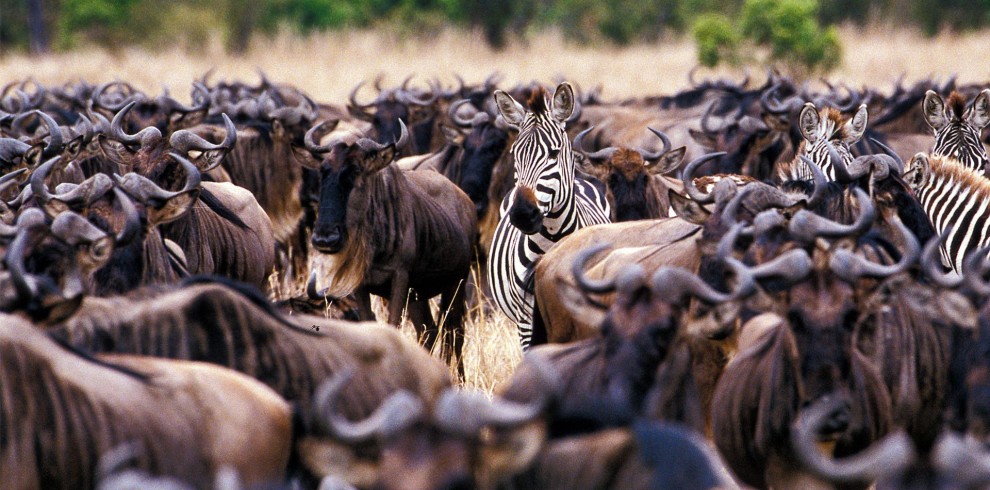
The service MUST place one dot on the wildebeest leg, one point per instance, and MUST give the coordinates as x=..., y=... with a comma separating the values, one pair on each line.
x=422, y=319
x=399, y=295
x=452, y=310
x=363, y=298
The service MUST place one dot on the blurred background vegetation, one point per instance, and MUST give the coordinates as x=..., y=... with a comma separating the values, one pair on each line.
x=797, y=33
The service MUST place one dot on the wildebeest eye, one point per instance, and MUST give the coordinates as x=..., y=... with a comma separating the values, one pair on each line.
x=554, y=152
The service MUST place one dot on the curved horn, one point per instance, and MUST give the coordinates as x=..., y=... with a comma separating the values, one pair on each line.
x=468, y=411
x=193, y=175
x=666, y=146
x=773, y=106
x=132, y=221
x=704, y=120
x=12, y=148
x=14, y=259
x=791, y=266
x=931, y=263
x=396, y=412
x=975, y=266
x=37, y=180
x=129, y=94
x=310, y=138
x=407, y=97
x=602, y=286
x=352, y=98
x=842, y=173
x=10, y=178
x=55, y=141
x=821, y=184
x=368, y=144
x=807, y=226
x=185, y=140
x=887, y=150
x=672, y=284
x=578, y=145
x=117, y=131
x=888, y=456
x=851, y=267
x=479, y=117
x=688, y=179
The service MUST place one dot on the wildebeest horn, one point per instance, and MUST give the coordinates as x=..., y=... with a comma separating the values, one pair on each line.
x=479, y=117
x=672, y=284
x=27, y=222
x=821, y=184
x=886, y=149
x=851, y=267
x=791, y=266
x=185, y=141
x=132, y=221
x=143, y=189
x=55, y=141
x=468, y=411
x=37, y=180
x=368, y=144
x=578, y=145
x=688, y=178
x=601, y=286
x=10, y=178
x=11, y=148
x=117, y=131
x=704, y=120
x=407, y=97
x=130, y=95
x=806, y=225
x=931, y=263
x=310, y=138
x=352, y=98
x=647, y=155
x=84, y=128
x=773, y=106
x=975, y=266
x=73, y=229
x=396, y=412
x=843, y=174
x=887, y=456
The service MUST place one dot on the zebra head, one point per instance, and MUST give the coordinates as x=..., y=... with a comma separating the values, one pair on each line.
x=957, y=128
x=827, y=128
x=542, y=152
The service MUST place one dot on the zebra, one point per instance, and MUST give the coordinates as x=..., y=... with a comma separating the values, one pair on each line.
x=547, y=203
x=823, y=130
x=956, y=199
x=957, y=129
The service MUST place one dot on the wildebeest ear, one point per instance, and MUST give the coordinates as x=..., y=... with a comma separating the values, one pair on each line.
x=378, y=159
x=704, y=139
x=979, y=115
x=668, y=162
x=511, y=111
x=808, y=122
x=75, y=146
x=687, y=209
x=116, y=151
x=209, y=159
x=563, y=102
x=305, y=158
x=452, y=135
x=173, y=208
x=856, y=126
x=934, y=109
x=324, y=457
x=508, y=453
x=33, y=156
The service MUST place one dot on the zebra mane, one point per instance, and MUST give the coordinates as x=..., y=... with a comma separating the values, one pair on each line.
x=946, y=167
x=957, y=103
x=538, y=100
x=838, y=123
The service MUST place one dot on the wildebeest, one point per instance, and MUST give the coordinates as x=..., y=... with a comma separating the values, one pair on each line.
x=387, y=231
x=62, y=410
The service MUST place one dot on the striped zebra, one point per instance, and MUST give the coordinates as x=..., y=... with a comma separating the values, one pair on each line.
x=955, y=197
x=821, y=130
x=546, y=205
x=957, y=129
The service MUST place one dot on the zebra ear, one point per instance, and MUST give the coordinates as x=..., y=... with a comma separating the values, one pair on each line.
x=856, y=126
x=563, y=102
x=808, y=122
x=934, y=109
x=979, y=116
x=511, y=111
x=917, y=171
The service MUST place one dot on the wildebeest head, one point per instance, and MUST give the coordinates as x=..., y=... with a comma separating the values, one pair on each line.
x=483, y=145
x=344, y=170
x=417, y=111
x=542, y=153
x=630, y=176
x=465, y=440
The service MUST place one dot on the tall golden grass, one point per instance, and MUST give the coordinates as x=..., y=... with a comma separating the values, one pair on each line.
x=328, y=66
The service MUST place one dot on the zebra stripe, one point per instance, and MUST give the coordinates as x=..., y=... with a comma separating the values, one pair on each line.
x=544, y=164
x=961, y=141
x=955, y=197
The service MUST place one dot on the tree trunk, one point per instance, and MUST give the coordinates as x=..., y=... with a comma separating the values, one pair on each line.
x=36, y=27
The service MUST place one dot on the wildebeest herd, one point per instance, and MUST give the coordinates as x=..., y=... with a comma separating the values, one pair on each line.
x=770, y=285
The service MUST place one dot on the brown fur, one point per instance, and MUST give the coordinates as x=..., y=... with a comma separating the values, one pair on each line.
x=944, y=167
x=60, y=413
x=537, y=101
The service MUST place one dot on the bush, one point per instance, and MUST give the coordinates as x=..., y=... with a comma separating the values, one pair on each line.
x=786, y=30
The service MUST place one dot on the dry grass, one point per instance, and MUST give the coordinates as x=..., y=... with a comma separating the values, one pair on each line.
x=328, y=66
